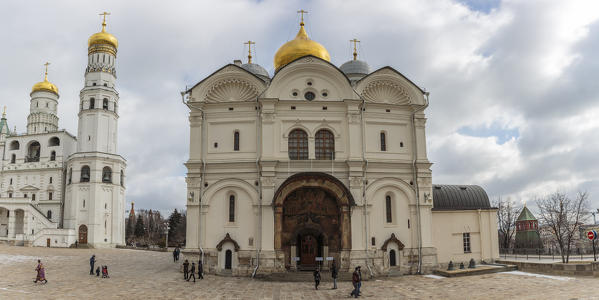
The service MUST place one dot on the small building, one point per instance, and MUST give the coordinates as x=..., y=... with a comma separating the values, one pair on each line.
x=527, y=231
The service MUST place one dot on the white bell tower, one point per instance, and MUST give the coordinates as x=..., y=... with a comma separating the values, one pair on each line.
x=95, y=196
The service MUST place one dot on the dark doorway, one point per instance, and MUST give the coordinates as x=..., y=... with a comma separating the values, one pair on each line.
x=82, y=234
x=228, y=259
x=392, y=261
x=308, y=250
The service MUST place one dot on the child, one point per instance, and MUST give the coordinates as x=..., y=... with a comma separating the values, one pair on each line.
x=98, y=271
x=105, y=272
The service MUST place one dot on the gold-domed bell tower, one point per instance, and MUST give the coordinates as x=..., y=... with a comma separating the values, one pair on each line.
x=43, y=106
x=300, y=46
x=95, y=199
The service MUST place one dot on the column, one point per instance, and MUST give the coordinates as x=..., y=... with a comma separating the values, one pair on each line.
x=345, y=233
x=11, y=223
x=278, y=226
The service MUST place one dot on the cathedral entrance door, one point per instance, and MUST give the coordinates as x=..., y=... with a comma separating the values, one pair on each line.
x=82, y=234
x=308, y=250
x=47, y=242
x=228, y=259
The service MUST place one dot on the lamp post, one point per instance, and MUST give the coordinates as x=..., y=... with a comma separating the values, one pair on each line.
x=167, y=229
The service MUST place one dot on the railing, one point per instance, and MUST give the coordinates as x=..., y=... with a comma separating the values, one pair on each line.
x=544, y=254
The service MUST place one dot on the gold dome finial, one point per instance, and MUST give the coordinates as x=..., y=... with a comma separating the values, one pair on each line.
x=4, y=113
x=103, y=38
x=45, y=85
x=355, y=41
x=301, y=46
x=249, y=43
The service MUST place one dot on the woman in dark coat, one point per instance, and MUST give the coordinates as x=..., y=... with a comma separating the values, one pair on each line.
x=316, y=277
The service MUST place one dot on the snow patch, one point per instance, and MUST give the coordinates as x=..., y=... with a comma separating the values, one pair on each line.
x=434, y=276
x=537, y=275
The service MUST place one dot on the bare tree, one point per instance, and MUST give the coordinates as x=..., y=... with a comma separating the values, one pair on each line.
x=507, y=214
x=563, y=216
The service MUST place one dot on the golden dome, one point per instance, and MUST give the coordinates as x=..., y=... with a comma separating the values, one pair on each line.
x=45, y=85
x=301, y=46
x=103, y=37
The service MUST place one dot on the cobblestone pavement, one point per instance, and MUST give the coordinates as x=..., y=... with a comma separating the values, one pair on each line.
x=152, y=275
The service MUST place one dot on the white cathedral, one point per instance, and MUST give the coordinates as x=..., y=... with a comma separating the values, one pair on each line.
x=319, y=162
x=57, y=189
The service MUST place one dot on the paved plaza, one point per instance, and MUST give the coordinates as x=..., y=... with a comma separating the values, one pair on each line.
x=153, y=275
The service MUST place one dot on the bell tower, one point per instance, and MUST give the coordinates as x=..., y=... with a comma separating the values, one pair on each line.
x=95, y=196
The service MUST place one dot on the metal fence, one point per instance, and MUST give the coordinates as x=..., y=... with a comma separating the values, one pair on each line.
x=545, y=254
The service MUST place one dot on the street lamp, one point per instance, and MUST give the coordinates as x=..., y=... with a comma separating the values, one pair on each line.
x=167, y=229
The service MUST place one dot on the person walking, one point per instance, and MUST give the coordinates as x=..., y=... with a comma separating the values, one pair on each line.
x=355, y=278
x=178, y=252
x=186, y=269
x=175, y=255
x=192, y=272
x=200, y=270
x=92, y=261
x=41, y=272
x=316, y=277
x=334, y=274
x=359, y=281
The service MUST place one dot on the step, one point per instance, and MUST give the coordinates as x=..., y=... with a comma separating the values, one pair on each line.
x=305, y=276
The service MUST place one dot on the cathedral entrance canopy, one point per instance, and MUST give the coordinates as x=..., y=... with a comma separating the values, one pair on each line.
x=311, y=213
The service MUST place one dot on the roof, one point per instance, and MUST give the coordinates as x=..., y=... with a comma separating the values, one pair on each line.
x=526, y=215
x=459, y=197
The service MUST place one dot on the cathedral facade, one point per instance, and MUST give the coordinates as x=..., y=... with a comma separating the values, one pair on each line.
x=58, y=189
x=319, y=162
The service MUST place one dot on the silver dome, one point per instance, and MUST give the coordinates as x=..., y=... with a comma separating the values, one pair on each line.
x=355, y=67
x=255, y=69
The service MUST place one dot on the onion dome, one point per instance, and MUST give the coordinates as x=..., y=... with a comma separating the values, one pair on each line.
x=355, y=67
x=103, y=37
x=300, y=46
x=45, y=85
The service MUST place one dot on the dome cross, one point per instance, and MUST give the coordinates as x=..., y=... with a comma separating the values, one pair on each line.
x=46, y=73
x=249, y=43
x=302, y=12
x=355, y=41
x=104, y=14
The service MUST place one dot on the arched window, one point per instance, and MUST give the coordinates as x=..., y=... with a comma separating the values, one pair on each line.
x=49, y=213
x=325, y=145
x=122, y=178
x=33, y=197
x=14, y=145
x=13, y=158
x=388, y=209
x=92, y=103
x=105, y=104
x=49, y=195
x=33, y=152
x=298, y=145
x=54, y=141
x=383, y=141
x=53, y=155
x=84, y=174
x=236, y=140
x=107, y=175
x=232, y=208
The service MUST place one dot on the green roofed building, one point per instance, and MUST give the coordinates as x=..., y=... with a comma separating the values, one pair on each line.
x=527, y=230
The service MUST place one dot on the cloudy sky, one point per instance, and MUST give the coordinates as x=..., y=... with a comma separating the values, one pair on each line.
x=514, y=94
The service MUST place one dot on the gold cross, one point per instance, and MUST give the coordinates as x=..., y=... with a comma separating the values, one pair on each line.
x=302, y=12
x=46, y=74
x=249, y=43
x=355, y=41
x=104, y=20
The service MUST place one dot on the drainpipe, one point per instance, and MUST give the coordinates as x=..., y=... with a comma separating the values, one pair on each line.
x=364, y=180
x=415, y=179
x=258, y=155
x=202, y=172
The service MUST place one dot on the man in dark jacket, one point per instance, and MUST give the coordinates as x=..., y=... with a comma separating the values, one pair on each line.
x=92, y=261
x=192, y=272
x=359, y=280
x=316, y=277
x=175, y=255
x=200, y=270
x=185, y=269
x=334, y=274
x=355, y=278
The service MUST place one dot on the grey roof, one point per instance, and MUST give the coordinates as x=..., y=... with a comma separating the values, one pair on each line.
x=459, y=197
x=355, y=67
x=255, y=69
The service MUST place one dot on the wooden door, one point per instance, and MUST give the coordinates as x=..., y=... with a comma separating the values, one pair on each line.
x=308, y=250
x=47, y=242
x=82, y=234
x=392, y=258
x=228, y=259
